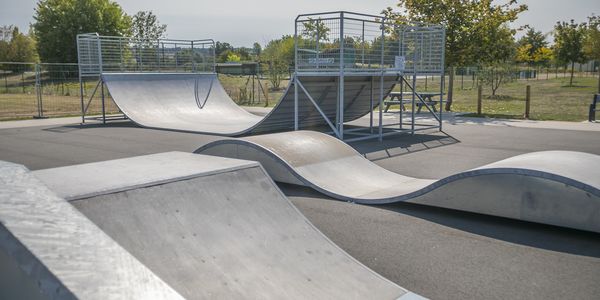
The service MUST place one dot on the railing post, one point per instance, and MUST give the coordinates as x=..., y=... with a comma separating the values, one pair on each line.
x=527, y=101
x=479, y=93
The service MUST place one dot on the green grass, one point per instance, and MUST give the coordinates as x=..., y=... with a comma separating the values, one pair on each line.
x=551, y=99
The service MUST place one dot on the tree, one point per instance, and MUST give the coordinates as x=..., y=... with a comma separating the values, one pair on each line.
x=232, y=57
x=57, y=23
x=145, y=26
x=466, y=23
x=496, y=75
x=278, y=55
x=532, y=40
x=19, y=48
x=221, y=47
x=591, y=45
x=568, y=39
x=256, y=49
x=315, y=30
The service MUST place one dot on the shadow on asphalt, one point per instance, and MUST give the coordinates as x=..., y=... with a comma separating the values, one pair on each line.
x=403, y=144
x=109, y=124
x=536, y=235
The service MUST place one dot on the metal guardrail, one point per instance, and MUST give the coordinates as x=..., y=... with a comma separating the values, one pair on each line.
x=98, y=54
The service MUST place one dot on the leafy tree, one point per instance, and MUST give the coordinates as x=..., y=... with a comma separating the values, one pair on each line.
x=145, y=26
x=19, y=48
x=467, y=24
x=232, y=57
x=57, y=23
x=256, y=49
x=533, y=41
x=569, y=38
x=591, y=45
x=496, y=75
x=6, y=32
x=315, y=30
x=221, y=47
x=278, y=56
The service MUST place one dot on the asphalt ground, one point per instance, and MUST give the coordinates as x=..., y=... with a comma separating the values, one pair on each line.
x=438, y=253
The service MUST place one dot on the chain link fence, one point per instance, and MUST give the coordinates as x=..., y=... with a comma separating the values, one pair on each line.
x=41, y=90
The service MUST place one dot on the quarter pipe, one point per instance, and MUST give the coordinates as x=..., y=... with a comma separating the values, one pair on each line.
x=213, y=227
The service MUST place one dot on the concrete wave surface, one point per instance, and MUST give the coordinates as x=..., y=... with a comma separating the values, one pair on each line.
x=199, y=103
x=552, y=187
x=175, y=225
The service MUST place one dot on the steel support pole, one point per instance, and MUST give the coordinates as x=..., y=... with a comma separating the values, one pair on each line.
x=103, y=105
x=296, y=80
x=340, y=106
x=381, y=80
x=371, y=110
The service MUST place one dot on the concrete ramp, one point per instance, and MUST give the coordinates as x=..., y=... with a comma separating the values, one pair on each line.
x=554, y=187
x=215, y=228
x=198, y=102
x=49, y=250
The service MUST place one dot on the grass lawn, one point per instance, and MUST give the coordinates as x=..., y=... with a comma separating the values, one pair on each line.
x=551, y=99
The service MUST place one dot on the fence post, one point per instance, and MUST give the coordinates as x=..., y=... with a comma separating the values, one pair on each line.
x=479, y=93
x=38, y=91
x=527, y=101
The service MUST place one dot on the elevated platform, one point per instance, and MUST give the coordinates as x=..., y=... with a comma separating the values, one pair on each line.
x=553, y=187
x=194, y=102
x=172, y=225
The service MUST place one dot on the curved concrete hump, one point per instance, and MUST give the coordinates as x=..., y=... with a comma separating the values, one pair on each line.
x=215, y=232
x=198, y=102
x=553, y=187
x=50, y=250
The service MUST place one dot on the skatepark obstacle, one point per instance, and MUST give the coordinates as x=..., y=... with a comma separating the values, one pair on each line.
x=169, y=225
x=552, y=187
x=343, y=71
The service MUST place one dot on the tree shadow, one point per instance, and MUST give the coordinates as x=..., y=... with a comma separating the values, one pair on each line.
x=547, y=237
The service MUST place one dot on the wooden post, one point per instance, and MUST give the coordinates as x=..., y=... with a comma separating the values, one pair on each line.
x=479, y=92
x=527, y=101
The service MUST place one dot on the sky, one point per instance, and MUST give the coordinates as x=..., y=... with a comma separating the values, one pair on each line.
x=243, y=22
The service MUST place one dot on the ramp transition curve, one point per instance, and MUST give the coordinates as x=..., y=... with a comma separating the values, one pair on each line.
x=213, y=227
x=198, y=102
x=552, y=187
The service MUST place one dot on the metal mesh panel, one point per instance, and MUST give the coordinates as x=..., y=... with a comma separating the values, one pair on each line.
x=98, y=54
x=422, y=49
x=358, y=43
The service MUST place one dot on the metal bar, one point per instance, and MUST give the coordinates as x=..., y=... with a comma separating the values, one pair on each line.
x=80, y=83
x=103, y=105
x=371, y=107
x=317, y=107
x=296, y=80
x=340, y=108
x=381, y=82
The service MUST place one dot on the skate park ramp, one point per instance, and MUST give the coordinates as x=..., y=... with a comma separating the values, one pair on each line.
x=50, y=250
x=559, y=188
x=216, y=228
x=198, y=102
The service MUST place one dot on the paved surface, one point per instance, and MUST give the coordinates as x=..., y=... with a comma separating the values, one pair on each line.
x=548, y=187
x=214, y=228
x=198, y=103
x=434, y=252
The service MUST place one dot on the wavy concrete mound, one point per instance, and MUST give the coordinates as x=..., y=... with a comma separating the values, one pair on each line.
x=559, y=188
x=213, y=228
x=198, y=102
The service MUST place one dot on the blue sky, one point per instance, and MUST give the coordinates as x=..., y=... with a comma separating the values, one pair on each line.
x=242, y=22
